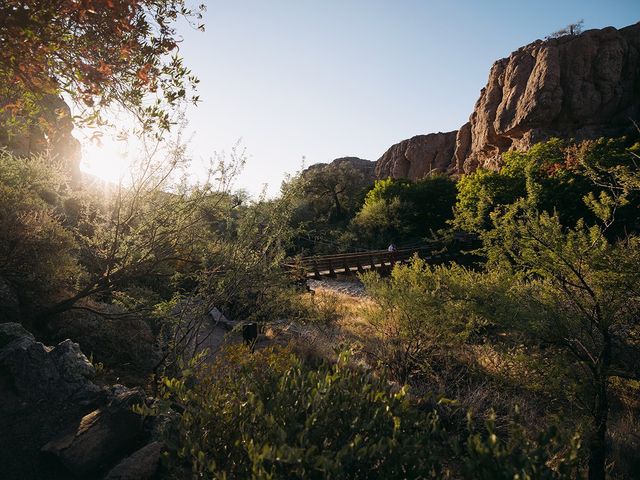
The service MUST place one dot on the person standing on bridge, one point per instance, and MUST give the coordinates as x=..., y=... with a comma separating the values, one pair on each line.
x=392, y=254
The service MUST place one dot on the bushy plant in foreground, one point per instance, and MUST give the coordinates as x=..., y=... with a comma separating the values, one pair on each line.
x=268, y=416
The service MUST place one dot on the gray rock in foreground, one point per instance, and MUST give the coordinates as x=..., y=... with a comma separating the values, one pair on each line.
x=100, y=437
x=37, y=371
x=141, y=465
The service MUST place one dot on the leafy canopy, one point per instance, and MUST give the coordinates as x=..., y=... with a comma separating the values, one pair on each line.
x=98, y=52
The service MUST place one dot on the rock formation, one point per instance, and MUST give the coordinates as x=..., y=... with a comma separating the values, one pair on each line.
x=57, y=424
x=576, y=86
x=38, y=372
x=418, y=156
x=101, y=436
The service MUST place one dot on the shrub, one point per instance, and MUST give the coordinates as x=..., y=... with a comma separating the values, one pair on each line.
x=36, y=252
x=268, y=416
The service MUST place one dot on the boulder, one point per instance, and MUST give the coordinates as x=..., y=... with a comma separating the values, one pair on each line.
x=38, y=372
x=10, y=332
x=141, y=465
x=418, y=156
x=100, y=437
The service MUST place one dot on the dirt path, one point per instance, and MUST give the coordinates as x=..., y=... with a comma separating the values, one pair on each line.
x=352, y=287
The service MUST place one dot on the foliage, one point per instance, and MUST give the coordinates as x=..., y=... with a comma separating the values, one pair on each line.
x=37, y=254
x=326, y=199
x=139, y=235
x=522, y=457
x=243, y=274
x=579, y=293
x=267, y=415
x=99, y=52
x=563, y=175
x=571, y=29
x=404, y=211
x=423, y=311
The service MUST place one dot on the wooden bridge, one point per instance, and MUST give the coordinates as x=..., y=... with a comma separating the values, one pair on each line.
x=347, y=263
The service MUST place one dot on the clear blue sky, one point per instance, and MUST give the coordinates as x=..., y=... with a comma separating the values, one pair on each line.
x=332, y=78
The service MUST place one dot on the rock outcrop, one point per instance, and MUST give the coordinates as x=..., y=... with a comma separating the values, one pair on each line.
x=38, y=372
x=141, y=465
x=9, y=303
x=102, y=436
x=575, y=87
x=57, y=424
x=418, y=156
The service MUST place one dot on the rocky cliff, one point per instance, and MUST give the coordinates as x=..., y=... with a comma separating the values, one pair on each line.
x=418, y=156
x=576, y=86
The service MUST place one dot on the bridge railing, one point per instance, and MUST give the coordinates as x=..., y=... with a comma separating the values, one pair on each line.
x=322, y=265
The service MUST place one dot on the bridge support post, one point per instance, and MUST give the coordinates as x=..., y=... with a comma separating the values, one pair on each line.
x=332, y=272
x=345, y=264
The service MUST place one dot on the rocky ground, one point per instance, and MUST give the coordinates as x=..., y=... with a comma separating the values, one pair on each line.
x=56, y=423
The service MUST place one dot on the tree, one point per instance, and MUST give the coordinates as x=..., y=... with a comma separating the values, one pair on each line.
x=144, y=232
x=98, y=52
x=327, y=198
x=38, y=256
x=565, y=174
x=577, y=292
x=404, y=211
x=571, y=29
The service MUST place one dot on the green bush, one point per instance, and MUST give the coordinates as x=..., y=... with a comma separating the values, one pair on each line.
x=37, y=254
x=563, y=175
x=404, y=211
x=268, y=416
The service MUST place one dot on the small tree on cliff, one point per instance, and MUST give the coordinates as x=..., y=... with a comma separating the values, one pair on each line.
x=571, y=29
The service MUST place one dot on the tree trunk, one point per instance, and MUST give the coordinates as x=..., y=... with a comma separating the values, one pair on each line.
x=598, y=443
x=43, y=317
x=338, y=207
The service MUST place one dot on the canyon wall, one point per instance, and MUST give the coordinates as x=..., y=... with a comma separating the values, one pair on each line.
x=575, y=87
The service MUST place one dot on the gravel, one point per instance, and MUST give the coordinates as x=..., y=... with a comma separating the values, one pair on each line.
x=353, y=287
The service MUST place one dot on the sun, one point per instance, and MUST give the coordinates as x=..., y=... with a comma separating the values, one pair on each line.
x=106, y=160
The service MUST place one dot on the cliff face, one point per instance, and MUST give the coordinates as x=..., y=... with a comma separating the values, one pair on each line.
x=581, y=86
x=576, y=86
x=416, y=157
x=54, y=137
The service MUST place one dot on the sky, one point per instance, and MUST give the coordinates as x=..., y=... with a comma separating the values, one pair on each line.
x=302, y=80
